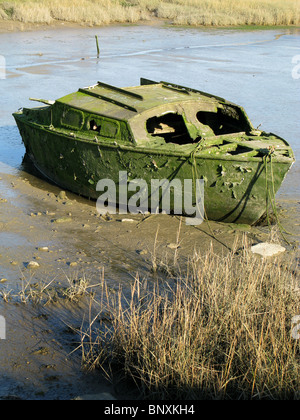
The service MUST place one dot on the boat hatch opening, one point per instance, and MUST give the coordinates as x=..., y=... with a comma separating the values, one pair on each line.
x=169, y=126
x=224, y=121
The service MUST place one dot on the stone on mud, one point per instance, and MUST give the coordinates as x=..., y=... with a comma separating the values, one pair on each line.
x=73, y=264
x=173, y=246
x=62, y=220
x=62, y=196
x=43, y=248
x=33, y=264
x=266, y=249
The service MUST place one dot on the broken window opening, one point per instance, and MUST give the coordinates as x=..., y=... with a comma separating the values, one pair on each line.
x=169, y=126
x=224, y=121
x=94, y=126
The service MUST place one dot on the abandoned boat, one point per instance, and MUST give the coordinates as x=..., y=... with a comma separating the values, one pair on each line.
x=157, y=131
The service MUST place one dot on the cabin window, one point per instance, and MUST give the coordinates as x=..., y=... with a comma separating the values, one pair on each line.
x=169, y=126
x=103, y=127
x=109, y=129
x=225, y=121
x=94, y=126
x=72, y=118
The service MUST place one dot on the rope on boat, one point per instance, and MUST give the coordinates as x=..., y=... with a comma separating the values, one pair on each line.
x=270, y=196
x=195, y=178
x=195, y=175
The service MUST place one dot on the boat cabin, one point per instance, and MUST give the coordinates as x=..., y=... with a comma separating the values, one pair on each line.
x=163, y=112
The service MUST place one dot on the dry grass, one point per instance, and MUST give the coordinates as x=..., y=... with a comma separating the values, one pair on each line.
x=221, y=331
x=230, y=12
x=180, y=12
x=78, y=11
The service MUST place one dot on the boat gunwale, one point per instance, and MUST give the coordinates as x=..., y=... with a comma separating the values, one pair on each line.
x=134, y=147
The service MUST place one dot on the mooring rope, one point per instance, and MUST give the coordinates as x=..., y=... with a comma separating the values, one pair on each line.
x=195, y=176
x=270, y=192
x=270, y=196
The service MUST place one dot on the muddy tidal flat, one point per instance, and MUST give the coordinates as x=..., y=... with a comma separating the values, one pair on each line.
x=52, y=236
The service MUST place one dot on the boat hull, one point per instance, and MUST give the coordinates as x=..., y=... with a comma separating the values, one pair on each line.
x=236, y=190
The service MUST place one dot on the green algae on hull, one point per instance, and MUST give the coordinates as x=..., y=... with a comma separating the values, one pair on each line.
x=158, y=131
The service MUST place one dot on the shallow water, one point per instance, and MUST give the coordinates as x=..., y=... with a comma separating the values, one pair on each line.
x=251, y=68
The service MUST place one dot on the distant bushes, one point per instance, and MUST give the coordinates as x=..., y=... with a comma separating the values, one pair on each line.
x=178, y=12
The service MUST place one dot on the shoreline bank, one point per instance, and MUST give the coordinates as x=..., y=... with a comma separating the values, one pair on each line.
x=10, y=26
x=195, y=13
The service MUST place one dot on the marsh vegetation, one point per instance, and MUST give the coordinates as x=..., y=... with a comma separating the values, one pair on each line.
x=219, y=329
x=178, y=12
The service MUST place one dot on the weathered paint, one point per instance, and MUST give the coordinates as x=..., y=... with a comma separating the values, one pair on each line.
x=96, y=132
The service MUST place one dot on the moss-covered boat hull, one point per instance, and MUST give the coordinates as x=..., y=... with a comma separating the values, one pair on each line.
x=237, y=187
